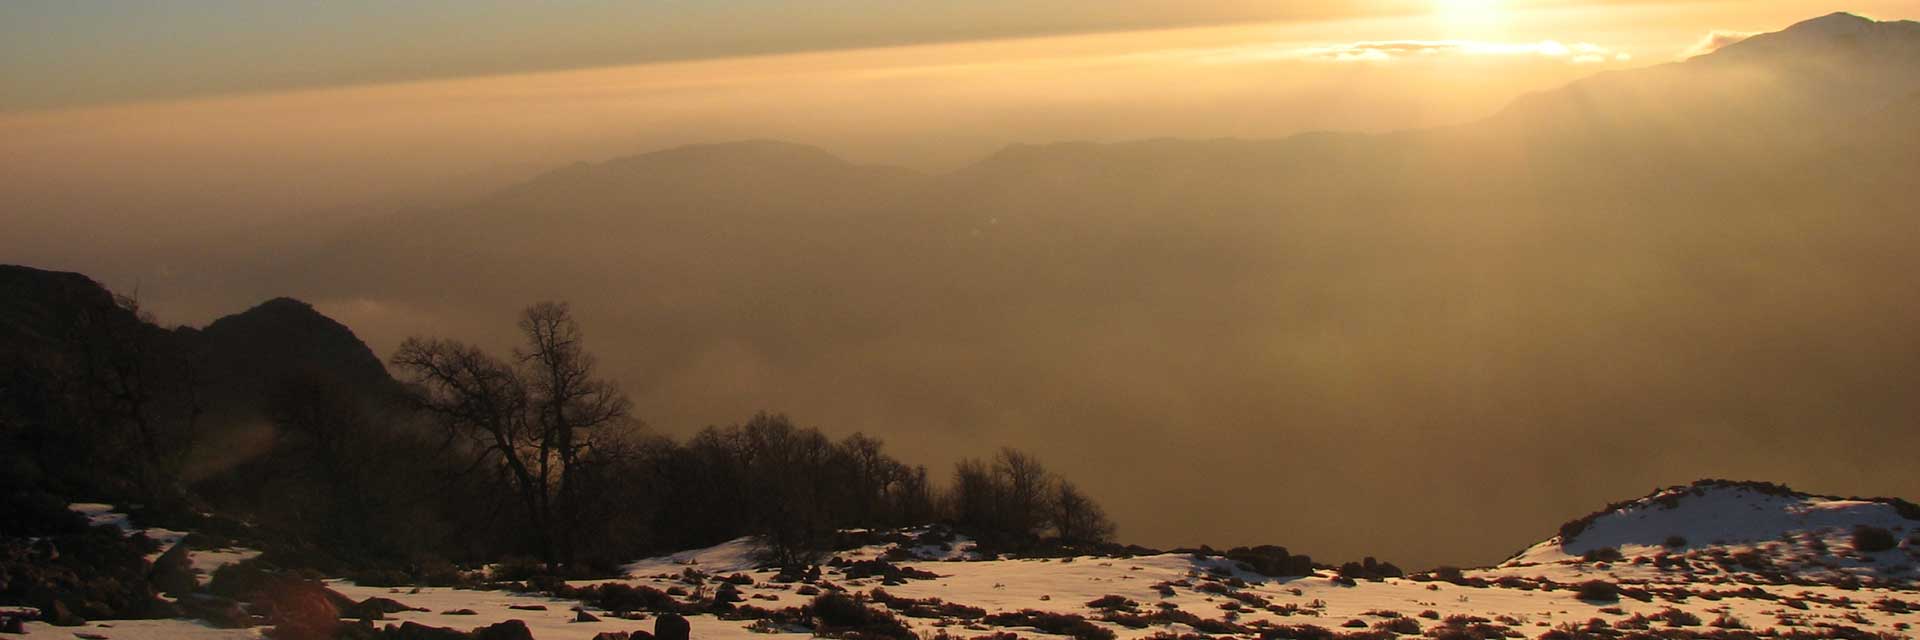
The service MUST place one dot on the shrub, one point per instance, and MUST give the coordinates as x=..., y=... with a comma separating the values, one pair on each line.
x=1403, y=626
x=1676, y=618
x=1603, y=554
x=840, y=610
x=845, y=617
x=1064, y=624
x=1599, y=591
x=1298, y=632
x=1868, y=539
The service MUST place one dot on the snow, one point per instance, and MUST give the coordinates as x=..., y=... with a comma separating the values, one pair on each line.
x=1799, y=536
x=140, y=630
x=489, y=607
x=1537, y=593
x=1715, y=515
x=727, y=557
x=203, y=561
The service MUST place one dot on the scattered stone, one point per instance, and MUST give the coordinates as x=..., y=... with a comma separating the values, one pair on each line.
x=671, y=626
x=509, y=630
x=528, y=607
x=172, y=572
x=218, y=611
x=411, y=630
x=60, y=616
x=374, y=609
x=583, y=616
x=13, y=625
x=460, y=612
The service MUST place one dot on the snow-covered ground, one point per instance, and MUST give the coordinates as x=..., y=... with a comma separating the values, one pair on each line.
x=1807, y=540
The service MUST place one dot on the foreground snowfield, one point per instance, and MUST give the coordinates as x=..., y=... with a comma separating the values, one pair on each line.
x=1751, y=558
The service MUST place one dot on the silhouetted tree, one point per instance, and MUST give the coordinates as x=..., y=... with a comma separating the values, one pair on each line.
x=1077, y=519
x=536, y=421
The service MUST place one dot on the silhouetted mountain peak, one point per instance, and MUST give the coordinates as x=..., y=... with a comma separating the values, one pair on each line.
x=732, y=169
x=285, y=335
x=756, y=151
x=1836, y=22
x=1847, y=34
x=36, y=304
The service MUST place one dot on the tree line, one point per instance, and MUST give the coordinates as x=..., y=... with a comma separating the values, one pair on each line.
x=470, y=456
x=592, y=484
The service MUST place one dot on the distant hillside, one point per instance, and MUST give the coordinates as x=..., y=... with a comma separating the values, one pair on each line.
x=1708, y=251
x=1749, y=531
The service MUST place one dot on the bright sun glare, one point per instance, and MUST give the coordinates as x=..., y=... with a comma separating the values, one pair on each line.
x=1466, y=10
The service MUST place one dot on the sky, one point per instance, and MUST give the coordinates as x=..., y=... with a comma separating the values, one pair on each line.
x=326, y=107
x=56, y=53
x=139, y=139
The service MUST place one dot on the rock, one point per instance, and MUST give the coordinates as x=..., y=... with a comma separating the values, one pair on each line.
x=218, y=611
x=18, y=626
x=639, y=635
x=671, y=626
x=415, y=631
x=172, y=572
x=509, y=630
x=88, y=636
x=611, y=635
x=374, y=609
x=727, y=594
x=583, y=616
x=60, y=616
x=300, y=609
x=528, y=607
x=355, y=631
x=460, y=612
x=161, y=609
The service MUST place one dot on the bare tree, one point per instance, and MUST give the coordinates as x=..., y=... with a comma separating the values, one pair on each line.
x=1026, y=490
x=536, y=417
x=569, y=405
x=1076, y=518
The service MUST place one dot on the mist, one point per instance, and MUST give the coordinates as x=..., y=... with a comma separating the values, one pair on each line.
x=1491, y=295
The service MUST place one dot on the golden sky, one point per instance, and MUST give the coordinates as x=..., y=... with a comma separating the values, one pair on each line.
x=87, y=94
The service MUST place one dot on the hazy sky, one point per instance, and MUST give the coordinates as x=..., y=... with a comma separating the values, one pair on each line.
x=61, y=53
x=154, y=146
x=87, y=85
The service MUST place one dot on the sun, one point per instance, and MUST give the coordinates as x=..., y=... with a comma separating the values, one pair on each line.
x=1467, y=11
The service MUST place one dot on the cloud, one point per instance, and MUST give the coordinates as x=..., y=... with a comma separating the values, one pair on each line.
x=1391, y=50
x=1715, y=40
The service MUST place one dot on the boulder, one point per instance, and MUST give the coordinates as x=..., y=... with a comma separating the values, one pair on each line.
x=509, y=630
x=671, y=626
x=411, y=630
x=17, y=626
x=300, y=609
x=217, y=611
x=172, y=572
x=57, y=614
x=583, y=616
x=375, y=608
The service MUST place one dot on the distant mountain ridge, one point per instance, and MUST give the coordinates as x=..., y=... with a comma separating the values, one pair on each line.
x=1717, y=246
x=1741, y=530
